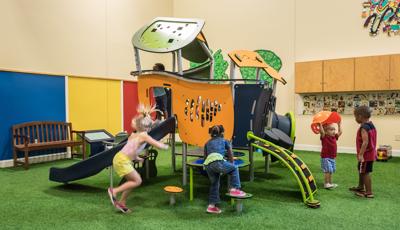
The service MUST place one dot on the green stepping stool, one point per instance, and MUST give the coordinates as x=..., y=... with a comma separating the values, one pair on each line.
x=238, y=201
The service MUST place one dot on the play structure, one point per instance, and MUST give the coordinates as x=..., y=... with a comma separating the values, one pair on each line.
x=244, y=106
x=200, y=101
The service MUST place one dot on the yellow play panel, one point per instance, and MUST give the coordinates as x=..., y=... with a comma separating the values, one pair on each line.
x=95, y=104
x=197, y=105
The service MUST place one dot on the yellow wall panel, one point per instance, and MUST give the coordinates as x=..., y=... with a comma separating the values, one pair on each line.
x=94, y=104
x=114, y=106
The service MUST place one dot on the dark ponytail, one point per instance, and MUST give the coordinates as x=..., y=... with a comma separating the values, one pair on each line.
x=216, y=131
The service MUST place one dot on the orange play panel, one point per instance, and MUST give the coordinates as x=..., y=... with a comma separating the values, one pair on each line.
x=197, y=105
x=247, y=58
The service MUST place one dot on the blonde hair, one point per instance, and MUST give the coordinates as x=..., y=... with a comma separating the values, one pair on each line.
x=142, y=120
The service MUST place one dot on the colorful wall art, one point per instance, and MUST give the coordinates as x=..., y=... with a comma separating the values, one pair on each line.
x=387, y=103
x=382, y=15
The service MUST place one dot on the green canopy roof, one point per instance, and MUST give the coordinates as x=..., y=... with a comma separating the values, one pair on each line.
x=165, y=35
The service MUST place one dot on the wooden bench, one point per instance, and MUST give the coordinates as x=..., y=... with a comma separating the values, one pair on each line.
x=42, y=135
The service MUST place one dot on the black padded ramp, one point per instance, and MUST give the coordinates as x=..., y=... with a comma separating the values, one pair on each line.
x=246, y=96
x=261, y=112
x=270, y=136
x=278, y=137
x=95, y=164
x=284, y=140
x=282, y=123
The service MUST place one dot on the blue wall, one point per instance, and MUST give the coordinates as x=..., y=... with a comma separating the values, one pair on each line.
x=28, y=97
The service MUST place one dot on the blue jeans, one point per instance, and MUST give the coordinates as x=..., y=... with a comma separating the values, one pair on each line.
x=214, y=171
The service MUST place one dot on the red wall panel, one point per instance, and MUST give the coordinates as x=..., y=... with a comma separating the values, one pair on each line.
x=131, y=102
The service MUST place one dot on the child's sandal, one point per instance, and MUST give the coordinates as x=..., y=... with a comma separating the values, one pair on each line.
x=363, y=194
x=356, y=189
x=360, y=194
x=122, y=207
x=369, y=195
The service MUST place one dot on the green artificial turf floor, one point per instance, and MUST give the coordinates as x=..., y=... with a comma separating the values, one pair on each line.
x=29, y=200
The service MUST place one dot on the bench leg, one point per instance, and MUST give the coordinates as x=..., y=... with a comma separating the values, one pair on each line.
x=26, y=164
x=72, y=152
x=15, y=157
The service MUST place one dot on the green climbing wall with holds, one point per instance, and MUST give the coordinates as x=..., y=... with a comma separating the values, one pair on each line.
x=270, y=58
x=220, y=65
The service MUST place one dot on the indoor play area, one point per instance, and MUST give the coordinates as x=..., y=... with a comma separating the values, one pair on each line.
x=111, y=112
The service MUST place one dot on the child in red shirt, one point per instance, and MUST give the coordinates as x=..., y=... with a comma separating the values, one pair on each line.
x=328, y=138
x=366, y=151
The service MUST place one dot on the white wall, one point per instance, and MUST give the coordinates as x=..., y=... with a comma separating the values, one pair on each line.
x=78, y=37
x=334, y=29
x=252, y=24
x=92, y=37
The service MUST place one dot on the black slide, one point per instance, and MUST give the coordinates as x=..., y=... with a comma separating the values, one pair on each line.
x=98, y=162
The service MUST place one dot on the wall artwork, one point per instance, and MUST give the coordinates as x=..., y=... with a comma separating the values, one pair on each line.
x=387, y=103
x=382, y=15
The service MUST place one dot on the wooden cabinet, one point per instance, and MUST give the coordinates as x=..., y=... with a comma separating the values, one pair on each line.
x=372, y=73
x=375, y=73
x=395, y=72
x=308, y=77
x=338, y=75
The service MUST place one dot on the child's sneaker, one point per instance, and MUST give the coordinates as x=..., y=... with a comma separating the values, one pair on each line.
x=328, y=186
x=112, y=197
x=122, y=207
x=213, y=209
x=334, y=185
x=237, y=192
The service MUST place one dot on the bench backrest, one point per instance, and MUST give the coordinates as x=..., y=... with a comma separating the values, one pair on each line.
x=42, y=131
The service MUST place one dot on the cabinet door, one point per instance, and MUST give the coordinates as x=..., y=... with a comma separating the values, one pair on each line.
x=395, y=72
x=308, y=77
x=338, y=75
x=372, y=73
